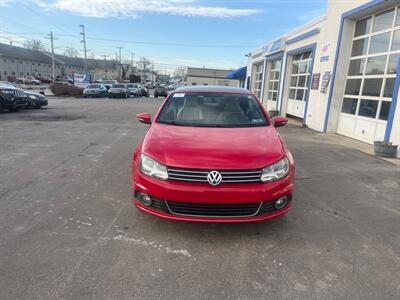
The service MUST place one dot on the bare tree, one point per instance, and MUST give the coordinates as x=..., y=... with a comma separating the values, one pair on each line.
x=71, y=52
x=34, y=45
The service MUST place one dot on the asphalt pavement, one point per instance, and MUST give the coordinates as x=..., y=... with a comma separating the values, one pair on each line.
x=68, y=229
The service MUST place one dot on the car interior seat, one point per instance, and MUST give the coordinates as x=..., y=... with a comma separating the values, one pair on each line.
x=191, y=110
x=233, y=113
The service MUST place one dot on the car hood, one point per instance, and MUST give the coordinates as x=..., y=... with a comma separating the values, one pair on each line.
x=208, y=148
x=92, y=90
x=34, y=94
x=117, y=90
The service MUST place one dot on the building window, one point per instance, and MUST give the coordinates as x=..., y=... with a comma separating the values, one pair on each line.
x=38, y=64
x=194, y=83
x=5, y=72
x=21, y=73
x=273, y=76
x=258, y=76
x=12, y=73
x=300, y=76
x=373, y=65
x=12, y=60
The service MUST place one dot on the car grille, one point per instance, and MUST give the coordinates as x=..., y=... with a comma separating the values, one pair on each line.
x=228, y=176
x=18, y=93
x=214, y=210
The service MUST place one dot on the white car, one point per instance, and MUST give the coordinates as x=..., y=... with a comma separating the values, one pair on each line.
x=28, y=80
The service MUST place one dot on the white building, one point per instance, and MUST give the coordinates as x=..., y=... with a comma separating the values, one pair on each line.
x=337, y=73
x=203, y=76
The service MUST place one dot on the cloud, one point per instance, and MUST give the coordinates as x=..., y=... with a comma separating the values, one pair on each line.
x=133, y=8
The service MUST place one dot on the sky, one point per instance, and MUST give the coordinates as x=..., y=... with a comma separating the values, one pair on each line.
x=171, y=33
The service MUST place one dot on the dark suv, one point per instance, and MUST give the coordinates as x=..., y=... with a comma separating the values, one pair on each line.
x=12, y=98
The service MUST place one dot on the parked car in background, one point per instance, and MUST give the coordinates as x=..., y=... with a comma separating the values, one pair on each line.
x=149, y=85
x=95, y=90
x=44, y=79
x=35, y=100
x=109, y=83
x=28, y=80
x=118, y=91
x=12, y=98
x=144, y=92
x=8, y=83
x=133, y=89
x=214, y=175
x=160, y=91
x=64, y=80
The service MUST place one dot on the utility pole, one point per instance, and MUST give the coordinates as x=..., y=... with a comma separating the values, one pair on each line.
x=53, y=67
x=84, y=45
x=120, y=48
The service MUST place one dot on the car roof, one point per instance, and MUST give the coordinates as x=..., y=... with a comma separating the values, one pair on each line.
x=212, y=89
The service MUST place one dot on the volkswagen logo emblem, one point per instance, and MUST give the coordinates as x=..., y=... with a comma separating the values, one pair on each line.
x=214, y=178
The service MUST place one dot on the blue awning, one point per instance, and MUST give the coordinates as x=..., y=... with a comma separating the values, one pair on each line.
x=238, y=74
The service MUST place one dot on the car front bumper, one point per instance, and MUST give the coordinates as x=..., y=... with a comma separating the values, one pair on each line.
x=165, y=193
x=117, y=94
x=12, y=101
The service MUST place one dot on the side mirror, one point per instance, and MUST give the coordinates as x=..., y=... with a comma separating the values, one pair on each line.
x=144, y=118
x=279, y=121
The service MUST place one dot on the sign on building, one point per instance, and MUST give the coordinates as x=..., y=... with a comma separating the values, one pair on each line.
x=82, y=80
x=315, y=81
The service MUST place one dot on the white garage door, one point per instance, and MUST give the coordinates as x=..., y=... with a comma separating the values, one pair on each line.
x=371, y=75
x=272, y=86
x=299, y=79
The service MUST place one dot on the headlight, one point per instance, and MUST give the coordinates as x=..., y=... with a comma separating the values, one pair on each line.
x=33, y=96
x=275, y=171
x=153, y=168
x=7, y=91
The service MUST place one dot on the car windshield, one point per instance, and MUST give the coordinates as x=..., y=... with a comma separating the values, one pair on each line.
x=94, y=86
x=212, y=110
x=119, y=86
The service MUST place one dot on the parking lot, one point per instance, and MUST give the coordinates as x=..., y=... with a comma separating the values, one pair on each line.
x=68, y=228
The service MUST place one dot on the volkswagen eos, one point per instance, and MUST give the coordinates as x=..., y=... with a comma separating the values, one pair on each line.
x=212, y=154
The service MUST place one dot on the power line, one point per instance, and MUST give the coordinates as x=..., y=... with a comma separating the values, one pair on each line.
x=151, y=42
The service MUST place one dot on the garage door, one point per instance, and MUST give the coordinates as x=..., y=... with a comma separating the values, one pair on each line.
x=299, y=79
x=371, y=75
x=272, y=86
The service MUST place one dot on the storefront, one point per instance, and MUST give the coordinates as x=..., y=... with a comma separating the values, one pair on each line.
x=337, y=73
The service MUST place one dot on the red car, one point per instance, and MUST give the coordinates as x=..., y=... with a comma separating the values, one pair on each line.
x=212, y=154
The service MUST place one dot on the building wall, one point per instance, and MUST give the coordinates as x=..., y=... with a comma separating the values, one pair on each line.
x=204, y=76
x=192, y=80
x=19, y=67
x=334, y=32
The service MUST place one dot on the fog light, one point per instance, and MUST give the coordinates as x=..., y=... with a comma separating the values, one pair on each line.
x=281, y=202
x=145, y=199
